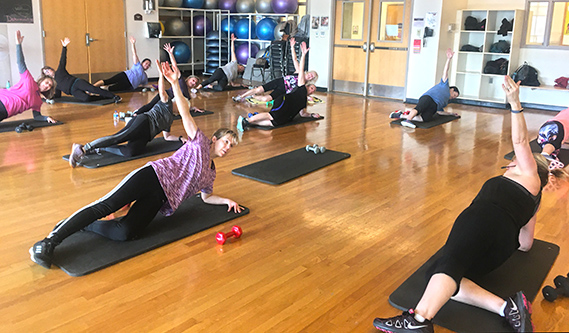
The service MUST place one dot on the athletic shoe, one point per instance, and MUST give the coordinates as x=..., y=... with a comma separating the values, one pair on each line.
x=240, y=124
x=395, y=115
x=42, y=252
x=76, y=154
x=407, y=123
x=117, y=99
x=403, y=323
x=518, y=313
x=237, y=99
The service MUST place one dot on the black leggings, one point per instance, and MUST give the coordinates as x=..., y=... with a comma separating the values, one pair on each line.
x=136, y=132
x=3, y=112
x=119, y=82
x=141, y=186
x=80, y=88
x=220, y=77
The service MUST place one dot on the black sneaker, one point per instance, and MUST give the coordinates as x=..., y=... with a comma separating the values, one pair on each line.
x=42, y=252
x=117, y=99
x=518, y=313
x=403, y=323
x=395, y=115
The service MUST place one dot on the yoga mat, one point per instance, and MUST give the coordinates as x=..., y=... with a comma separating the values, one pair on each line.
x=295, y=121
x=524, y=271
x=192, y=113
x=7, y=126
x=73, y=100
x=86, y=252
x=563, y=153
x=103, y=158
x=437, y=120
x=282, y=168
x=227, y=88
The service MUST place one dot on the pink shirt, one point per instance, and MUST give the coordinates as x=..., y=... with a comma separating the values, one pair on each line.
x=23, y=96
x=188, y=171
x=563, y=118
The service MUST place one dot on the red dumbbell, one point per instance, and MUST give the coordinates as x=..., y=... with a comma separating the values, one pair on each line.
x=236, y=232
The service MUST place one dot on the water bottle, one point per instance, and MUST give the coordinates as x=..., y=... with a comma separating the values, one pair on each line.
x=8, y=84
x=116, y=117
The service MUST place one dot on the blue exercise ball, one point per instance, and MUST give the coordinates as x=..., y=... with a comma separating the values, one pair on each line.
x=182, y=52
x=225, y=26
x=266, y=29
x=263, y=6
x=243, y=27
x=192, y=4
x=245, y=6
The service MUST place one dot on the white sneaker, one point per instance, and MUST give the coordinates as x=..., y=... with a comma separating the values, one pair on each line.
x=407, y=123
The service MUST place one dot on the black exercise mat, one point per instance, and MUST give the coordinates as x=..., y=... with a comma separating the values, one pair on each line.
x=103, y=158
x=7, y=126
x=86, y=252
x=73, y=100
x=282, y=168
x=227, y=88
x=297, y=120
x=195, y=114
x=563, y=153
x=437, y=120
x=523, y=271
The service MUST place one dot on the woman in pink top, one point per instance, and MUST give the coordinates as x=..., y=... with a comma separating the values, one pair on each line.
x=553, y=133
x=159, y=186
x=27, y=93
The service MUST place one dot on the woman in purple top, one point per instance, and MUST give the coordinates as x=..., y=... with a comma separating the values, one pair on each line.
x=129, y=79
x=159, y=186
x=27, y=93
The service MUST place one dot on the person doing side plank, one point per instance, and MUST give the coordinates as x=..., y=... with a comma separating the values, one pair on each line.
x=225, y=75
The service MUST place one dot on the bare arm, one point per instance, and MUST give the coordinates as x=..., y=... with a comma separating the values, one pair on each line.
x=216, y=200
x=526, y=235
x=450, y=54
x=233, y=56
x=135, y=59
x=161, y=88
x=170, y=137
x=170, y=49
x=301, y=79
x=293, y=54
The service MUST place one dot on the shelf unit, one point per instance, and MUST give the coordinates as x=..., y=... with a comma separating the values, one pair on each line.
x=468, y=66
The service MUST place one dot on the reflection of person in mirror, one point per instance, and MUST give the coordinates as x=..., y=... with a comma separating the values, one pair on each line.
x=315, y=22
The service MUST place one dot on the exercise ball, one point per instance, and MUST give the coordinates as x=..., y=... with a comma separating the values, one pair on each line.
x=278, y=33
x=202, y=25
x=176, y=27
x=192, y=4
x=266, y=29
x=284, y=6
x=225, y=27
x=214, y=34
x=210, y=4
x=263, y=6
x=230, y=5
x=182, y=52
x=242, y=28
x=245, y=6
x=173, y=3
x=242, y=52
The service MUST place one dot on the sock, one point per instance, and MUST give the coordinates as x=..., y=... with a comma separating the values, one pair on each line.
x=419, y=318
x=502, y=309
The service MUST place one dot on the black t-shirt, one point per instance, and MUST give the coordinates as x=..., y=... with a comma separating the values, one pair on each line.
x=286, y=107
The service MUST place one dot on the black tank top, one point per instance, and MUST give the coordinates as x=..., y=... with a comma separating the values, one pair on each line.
x=511, y=197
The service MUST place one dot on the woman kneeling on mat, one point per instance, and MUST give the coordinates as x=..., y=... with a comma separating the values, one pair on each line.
x=281, y=86
x=140, y=130
x=159, y=186
x=130, y=79
x=185, y=85
x=285, y=107
x=498, y=222
x=553, y=134
x=225, y=75
x=71, y=85
x=27, y=93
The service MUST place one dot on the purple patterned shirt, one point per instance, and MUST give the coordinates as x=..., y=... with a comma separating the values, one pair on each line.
x=291, y=82
x=188, y=171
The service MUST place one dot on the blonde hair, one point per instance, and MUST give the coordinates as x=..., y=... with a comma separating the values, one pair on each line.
x=314, y=79
x=48, y=94
x=220, y=133
x=544, y=172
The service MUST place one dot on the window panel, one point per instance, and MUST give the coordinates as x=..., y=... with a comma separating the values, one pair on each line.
x=547, y=23
x=537, y=22
x=352, y=20
x=391, y=20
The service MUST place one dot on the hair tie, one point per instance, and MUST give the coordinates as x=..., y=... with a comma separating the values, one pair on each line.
x=555, y=164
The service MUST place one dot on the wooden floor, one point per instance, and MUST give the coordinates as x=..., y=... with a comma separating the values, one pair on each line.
x=320, y=253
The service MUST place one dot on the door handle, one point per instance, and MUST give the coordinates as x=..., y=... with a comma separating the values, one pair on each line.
x=372, y=47
x=88, y=39
x=364, y=47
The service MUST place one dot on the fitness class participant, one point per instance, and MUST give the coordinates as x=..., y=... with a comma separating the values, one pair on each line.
x=140, y=130
x=499, y=221
x=227, y=74
x=27, y=93
x=159, y=186
x=553, y=133
x=433, y=101
x=185, y=84
x=71, y=85
x=285, y=107
x=129, y=79
x=280, y=86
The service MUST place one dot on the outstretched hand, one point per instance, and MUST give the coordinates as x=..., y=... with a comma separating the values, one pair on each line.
x=65, y=42
x=168, y=48
x=450, y=54
x=132, y=39
x=233, y=38
x=303, y=48
x=512, y=90
x=292, y=41
x=19, y=37
x=172, y=74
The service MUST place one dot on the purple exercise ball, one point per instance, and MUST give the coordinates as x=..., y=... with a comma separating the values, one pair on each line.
x=202, y=25
x=242, y=52
x=284, y=6
x=230, y=5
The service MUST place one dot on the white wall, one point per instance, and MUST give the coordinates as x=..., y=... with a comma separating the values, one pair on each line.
x=320, y=58
x=145, y=47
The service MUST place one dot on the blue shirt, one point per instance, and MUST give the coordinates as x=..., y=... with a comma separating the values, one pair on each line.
x=136, y=75
x=440, y=94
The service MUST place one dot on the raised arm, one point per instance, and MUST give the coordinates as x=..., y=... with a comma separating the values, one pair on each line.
x=233, y=56
x=63, y=58
x=170, y=49
x=20, y=53
x=135, y=59
x=450, y=54
x=293, y=54
x=172, y=74
x=301, y=79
